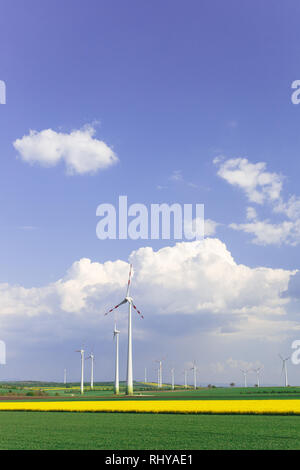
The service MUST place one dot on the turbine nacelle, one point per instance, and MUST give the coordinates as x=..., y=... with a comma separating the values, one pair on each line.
x=116, y=332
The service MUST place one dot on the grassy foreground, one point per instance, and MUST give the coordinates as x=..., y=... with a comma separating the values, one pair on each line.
x=38, y=430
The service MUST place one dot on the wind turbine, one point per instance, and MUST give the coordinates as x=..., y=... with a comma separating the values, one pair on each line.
x=194, y=368
x=65, y=376
x=185, y=378
x=145, y=375
x=82, y=369
x=258, y=371
x=116, y=335
x=172, y=376
x=91, y=356
x=284, y=369
x=245, y=372
x=129, y=300
x=160, y=373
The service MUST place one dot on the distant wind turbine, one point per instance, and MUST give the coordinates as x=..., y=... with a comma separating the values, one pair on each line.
x=160, y=381
x=82, y=369
x=91, y=356
x=194, y=369
x=284, y=369
x=129, y=300
x=245, y=372
x=172, y=377
x=65, y=376
x=185, y=378
x=258, y=371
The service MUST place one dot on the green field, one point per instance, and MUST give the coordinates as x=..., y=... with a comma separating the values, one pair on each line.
x=105, y=392
x=35, y=430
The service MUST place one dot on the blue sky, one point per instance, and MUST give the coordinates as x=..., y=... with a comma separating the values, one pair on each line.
x=168, y=86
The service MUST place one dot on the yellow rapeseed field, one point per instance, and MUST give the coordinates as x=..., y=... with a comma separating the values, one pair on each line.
x=163, y=406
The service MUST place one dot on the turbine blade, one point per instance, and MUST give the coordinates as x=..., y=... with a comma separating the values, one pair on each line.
x=137, y=310
x=121, y=303
x=129, y=281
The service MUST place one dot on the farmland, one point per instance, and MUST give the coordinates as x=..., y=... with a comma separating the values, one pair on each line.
x=155, y=413
x=38, y=430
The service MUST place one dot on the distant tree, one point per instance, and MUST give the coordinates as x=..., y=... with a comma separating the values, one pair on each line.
x=232, y=384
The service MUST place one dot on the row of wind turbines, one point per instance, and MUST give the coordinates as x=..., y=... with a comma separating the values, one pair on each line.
x=258, y=371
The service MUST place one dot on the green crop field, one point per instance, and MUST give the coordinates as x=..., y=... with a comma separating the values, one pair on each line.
x=105, y=392
x=36, y=430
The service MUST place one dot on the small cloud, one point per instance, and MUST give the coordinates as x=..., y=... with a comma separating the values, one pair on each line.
x=210, y=227
x=259, y=185
x=176, y=176
x=80, y=151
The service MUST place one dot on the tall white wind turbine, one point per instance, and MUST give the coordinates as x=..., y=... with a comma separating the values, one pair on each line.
x=194, y=369
x=172, y=378
x=185, y=378
x=160, y=381
x=82, y=369
x=284, y=369
x=158, y=377
x=245, y=372
x=65, y=376
x=129, y=300
x=258, y=371
x=92, y=357
x=116, y=337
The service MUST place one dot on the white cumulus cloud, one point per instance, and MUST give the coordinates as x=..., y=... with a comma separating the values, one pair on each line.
x=79, y=150
x=199, y=279
x=267, y=233
x=258, y=184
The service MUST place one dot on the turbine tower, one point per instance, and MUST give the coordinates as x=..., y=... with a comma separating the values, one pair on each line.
x=91, y=356
x=159, y=382
x=172, y=376
x=65, y=376
x=194, y=368
x=116, y=336
x=185, y=378
x=258, y=371
x=82, y=369
x=145, y=375
x=284, y=369
x=129, y=300
x=245, y=372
